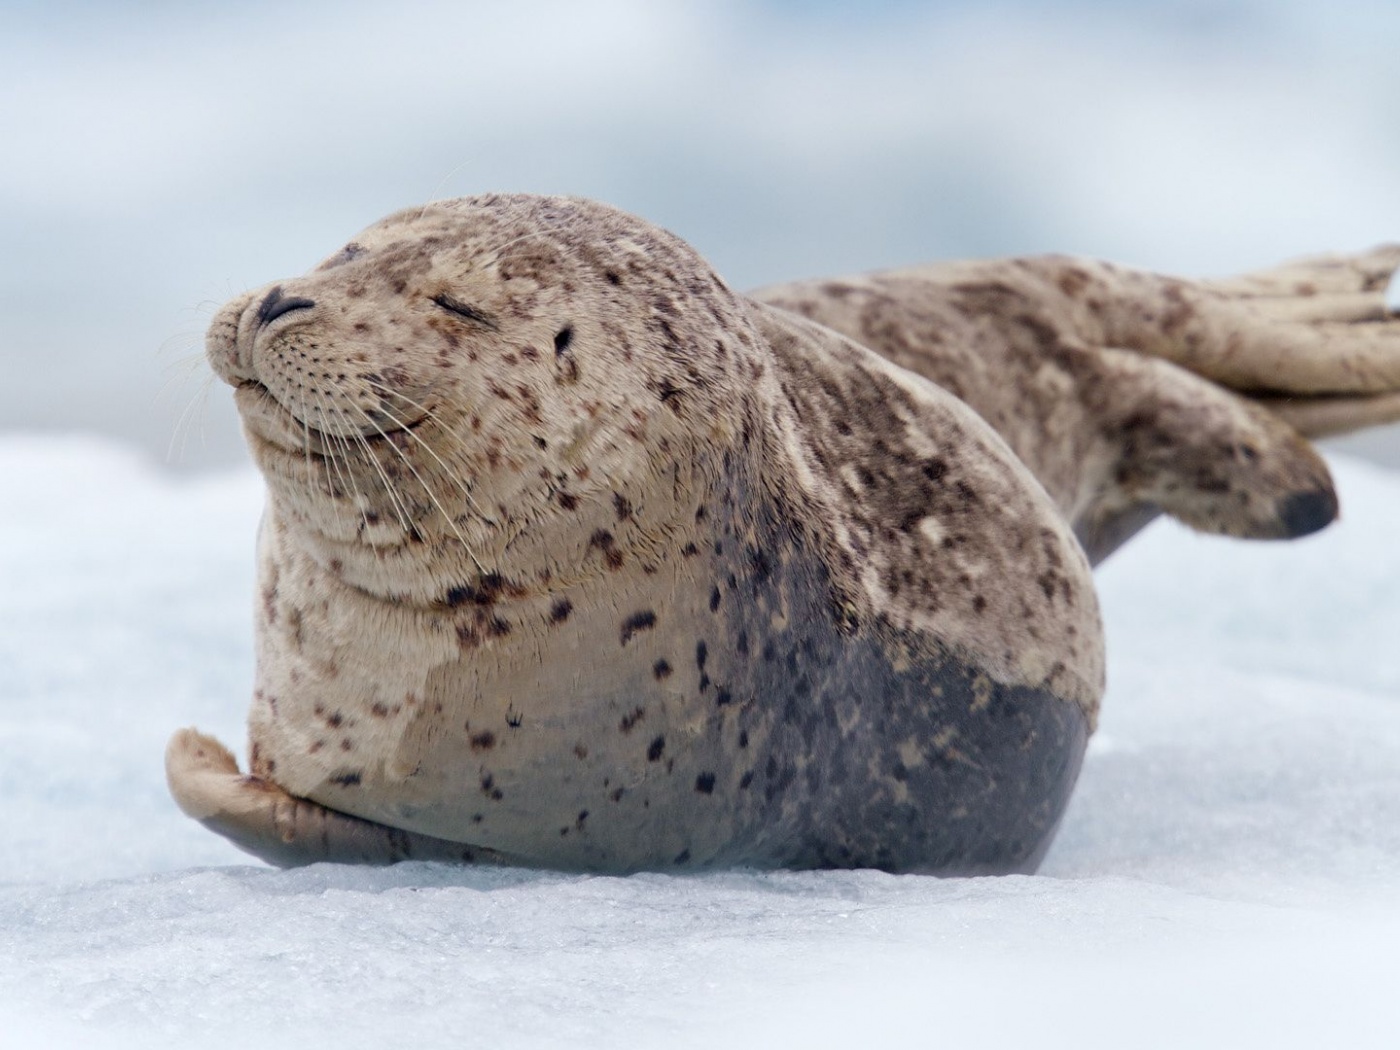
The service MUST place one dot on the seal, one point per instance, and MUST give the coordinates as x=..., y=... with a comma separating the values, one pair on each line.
x=573, y=557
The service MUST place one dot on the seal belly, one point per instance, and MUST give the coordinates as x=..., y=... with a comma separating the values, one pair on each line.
x=749, y=722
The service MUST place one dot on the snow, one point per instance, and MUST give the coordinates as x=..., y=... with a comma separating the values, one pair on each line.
x=1228, y=873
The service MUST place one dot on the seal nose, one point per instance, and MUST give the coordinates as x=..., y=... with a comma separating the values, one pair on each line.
x=275, y=304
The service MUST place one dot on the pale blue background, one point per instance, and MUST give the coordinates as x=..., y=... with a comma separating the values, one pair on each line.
x=156, y=158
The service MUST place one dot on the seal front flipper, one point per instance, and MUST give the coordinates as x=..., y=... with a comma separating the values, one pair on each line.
x=260, y=818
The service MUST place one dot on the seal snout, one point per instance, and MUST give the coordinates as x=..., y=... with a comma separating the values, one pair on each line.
x=276, y=303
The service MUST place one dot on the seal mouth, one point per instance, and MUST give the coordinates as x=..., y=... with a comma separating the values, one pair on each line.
x=275, y=422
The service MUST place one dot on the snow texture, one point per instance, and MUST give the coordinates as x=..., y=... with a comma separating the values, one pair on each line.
x=1228, y=873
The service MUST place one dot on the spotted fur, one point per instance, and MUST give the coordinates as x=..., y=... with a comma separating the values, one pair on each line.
x=574, y=557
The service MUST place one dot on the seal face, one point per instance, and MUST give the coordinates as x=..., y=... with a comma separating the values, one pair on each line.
x=575, y=558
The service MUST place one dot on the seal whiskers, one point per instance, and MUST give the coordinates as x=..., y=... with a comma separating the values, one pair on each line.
x=430, y=415
x=343, y=471
x=427, y=489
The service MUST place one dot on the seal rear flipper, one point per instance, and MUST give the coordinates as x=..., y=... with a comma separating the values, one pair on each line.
x=1324, y=280
x=260, y=818
x=1319, y=327
x=1216, y=462
x=1321, y=417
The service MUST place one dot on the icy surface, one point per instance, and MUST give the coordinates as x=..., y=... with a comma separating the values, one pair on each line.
x=1228, y=873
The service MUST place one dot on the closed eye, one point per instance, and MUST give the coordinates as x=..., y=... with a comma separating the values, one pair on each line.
x=471, y=313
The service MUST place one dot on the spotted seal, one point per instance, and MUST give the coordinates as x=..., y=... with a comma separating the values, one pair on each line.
x=574, y=557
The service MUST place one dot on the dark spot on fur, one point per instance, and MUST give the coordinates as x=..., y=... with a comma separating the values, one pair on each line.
x=560, y=610
x=759, y=566
x=346, y=779
x=705, y=783
x=934, y=469
x=661, y=669
x=1072, y=281
x=746, y=780
x=562, y=339
x=622, y=505
x=655, y=748
x=743, y=738
x=629, y=721
x=487, y=590
x=714, y=599
x=723, y=698
x=682, y=857
x=483, y=741
x=603, y=540
x=638, y=621
x=567, y=501
x=690, y=550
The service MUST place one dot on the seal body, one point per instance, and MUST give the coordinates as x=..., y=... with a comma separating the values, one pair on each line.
x=573, y=557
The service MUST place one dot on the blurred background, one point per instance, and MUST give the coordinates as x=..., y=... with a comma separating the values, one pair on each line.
x=160, y=157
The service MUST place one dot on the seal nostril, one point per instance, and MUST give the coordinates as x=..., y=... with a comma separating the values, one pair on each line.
x=276, y=304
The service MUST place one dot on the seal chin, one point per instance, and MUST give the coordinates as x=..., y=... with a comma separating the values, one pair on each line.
x=267, y=419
